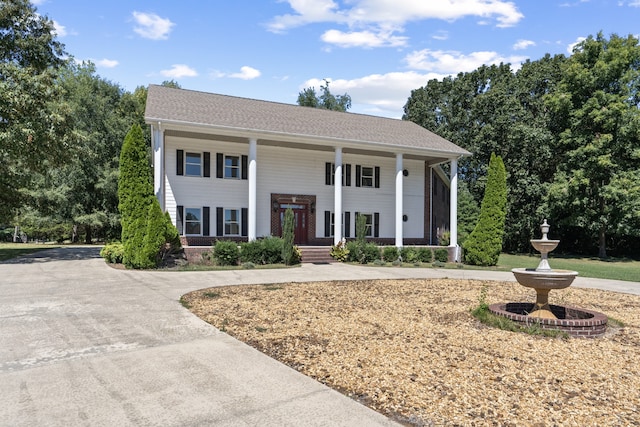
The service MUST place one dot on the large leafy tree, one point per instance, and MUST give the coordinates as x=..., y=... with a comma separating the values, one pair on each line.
x=309, y=98
x=494, y=110
x=34, y=119
x=597, y=108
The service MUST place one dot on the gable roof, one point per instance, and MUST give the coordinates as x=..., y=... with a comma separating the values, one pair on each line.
x=222, y=112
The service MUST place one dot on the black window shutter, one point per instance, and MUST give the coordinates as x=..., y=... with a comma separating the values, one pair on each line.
x=206, y=221
x=377, y=176
x=327, y=223
x=219, y=165
x=179, y=223
x=358, y=175
x=347, y=170
x=219, y=221
x=179, y=162
x=376, y=224
x=327, y=173
x=347, y=225
x=207, y=164
x=244, y=226
x=245, y=167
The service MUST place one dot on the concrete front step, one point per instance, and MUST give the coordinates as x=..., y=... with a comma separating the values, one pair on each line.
x=316, y=254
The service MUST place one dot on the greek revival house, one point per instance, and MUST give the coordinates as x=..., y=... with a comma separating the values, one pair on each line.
x=228, y=168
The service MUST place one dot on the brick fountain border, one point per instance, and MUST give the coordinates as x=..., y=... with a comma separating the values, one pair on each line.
x=577, y=322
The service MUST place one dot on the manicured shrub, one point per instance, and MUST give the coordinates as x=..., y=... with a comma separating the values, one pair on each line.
x=484, y=245
x=390, y=253
x=409, y=254
x=112, y=253
x=353, y=251
x=252, y=252
x=154, y=238
x=441, y=255
x=226, y=252
x=370, y=253
x=272, y=250
x=425, y=255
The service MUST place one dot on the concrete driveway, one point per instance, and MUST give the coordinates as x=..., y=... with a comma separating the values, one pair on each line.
x=84, y=344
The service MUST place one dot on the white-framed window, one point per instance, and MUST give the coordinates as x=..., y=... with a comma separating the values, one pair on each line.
x=232, y=220
x=193, y=164
x=232, y=167
x=367, y=176
x=192, y=221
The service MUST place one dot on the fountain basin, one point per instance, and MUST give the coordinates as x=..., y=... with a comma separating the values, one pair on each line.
x=577, y=322
x=544, y=279
x=544, y=245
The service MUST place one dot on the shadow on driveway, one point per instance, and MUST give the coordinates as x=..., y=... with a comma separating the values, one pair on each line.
x=70, y=253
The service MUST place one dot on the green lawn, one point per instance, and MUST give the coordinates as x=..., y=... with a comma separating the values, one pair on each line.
x=13, y=250
x=617, y=269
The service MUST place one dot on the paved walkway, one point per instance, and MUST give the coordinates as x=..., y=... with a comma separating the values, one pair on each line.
x=84, y=344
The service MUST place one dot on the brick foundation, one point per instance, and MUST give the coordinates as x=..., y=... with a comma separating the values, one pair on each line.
x=577, y=322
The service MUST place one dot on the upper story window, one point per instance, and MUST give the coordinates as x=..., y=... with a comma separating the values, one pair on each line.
x=193, y=164
x=367, y=177
x=232, y=167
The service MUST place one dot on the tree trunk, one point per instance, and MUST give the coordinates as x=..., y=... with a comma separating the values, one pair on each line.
x=87, y=235
x=602, y=243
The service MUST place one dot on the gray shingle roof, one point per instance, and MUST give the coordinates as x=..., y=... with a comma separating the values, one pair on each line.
x=208, y=109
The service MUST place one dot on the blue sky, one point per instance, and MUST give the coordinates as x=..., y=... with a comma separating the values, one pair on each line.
x=377, y=51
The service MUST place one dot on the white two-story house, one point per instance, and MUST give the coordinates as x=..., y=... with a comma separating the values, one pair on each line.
x=228, y=167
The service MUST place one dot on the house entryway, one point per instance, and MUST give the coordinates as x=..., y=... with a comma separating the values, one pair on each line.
x=303, y=207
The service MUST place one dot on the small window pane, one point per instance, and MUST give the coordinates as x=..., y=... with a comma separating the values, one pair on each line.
x=232, y=222
x=192, y=221
x=232, y=167
x=367, y=177
x=193, y=164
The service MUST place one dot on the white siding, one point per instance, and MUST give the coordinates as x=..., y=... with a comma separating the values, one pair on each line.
x=294, y=171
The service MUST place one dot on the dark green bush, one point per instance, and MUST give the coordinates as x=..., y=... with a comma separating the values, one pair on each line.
x=370, y=253
x=409, y=254
x=272, y=250
x=425, y=255
x=112, y=253
x=226, y=252
x=390, y=253
x=441, y=255
x=252, y=252
x=354, y=251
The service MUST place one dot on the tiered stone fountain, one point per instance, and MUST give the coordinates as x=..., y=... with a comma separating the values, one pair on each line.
x=574, y=321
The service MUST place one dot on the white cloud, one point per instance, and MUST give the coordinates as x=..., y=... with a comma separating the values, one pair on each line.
x=574, y=44
x=379, y=94
x=178, y=71
x=381, y=14
x=441, y=35
x=106, y=63
x=59, y=29
x=523, y=44
x=454, y=62
x=151, y=26
x=366, y=39
x=246, y=73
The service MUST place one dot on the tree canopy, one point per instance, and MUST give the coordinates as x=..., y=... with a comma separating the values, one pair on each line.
x=309, y=98
x=568, y=132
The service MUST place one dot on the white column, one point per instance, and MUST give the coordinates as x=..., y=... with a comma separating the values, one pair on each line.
x=252, y=176
x=399, y=195
x=453, y=204
x=157, y=144
x=337, y=198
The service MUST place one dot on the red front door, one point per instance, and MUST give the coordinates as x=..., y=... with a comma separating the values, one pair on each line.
x=300, y=220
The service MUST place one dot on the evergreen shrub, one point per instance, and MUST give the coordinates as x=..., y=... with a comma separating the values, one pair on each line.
x=390, y=253
x=112, y=253
x=409, y=254
x=226, y=252
x=272, y=249
x=252, y=252
x=441, y=255
x=425, y=255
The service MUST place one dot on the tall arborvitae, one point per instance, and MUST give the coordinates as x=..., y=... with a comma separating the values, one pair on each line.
x=484, y=245
x=135, y=193
x=288, y=237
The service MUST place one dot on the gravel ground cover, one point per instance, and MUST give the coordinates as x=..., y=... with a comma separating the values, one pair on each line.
x=411, y=350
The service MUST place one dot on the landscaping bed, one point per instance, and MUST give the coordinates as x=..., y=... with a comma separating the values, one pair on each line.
x=411, y=350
